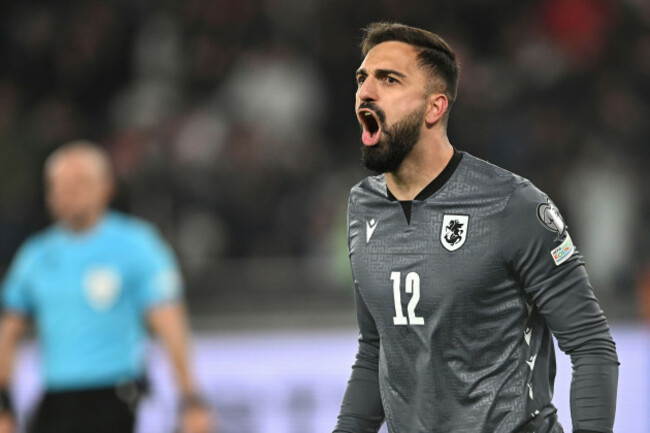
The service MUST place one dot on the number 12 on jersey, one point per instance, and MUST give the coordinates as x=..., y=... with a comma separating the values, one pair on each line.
x=412, y=284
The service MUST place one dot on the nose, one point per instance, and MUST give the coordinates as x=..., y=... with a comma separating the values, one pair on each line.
x=368, y=90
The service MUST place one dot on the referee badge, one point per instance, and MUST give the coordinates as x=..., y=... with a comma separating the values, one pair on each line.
x=454, y=231
x=102, y=287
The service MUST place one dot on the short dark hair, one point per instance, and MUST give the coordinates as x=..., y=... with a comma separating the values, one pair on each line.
x=434, y=54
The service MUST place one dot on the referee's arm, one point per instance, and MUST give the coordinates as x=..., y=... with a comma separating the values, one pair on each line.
x=12, y=326
x=169, y=323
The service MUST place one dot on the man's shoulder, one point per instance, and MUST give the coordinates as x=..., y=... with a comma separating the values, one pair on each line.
x=129, y=223
x=487, y=169
x=41, y=238
x=369, y=187
x=370, y=184
x=485, y=175
x=520, y=193
x=36, y=245
x=132, y=229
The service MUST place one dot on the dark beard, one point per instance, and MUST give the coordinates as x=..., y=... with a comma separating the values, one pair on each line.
x=395, y=144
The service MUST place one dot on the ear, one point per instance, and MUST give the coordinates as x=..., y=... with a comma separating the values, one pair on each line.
x=109, y=190
x=437, y=104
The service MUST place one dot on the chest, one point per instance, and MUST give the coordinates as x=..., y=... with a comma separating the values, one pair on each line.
x=446, y=263
x=75, y=276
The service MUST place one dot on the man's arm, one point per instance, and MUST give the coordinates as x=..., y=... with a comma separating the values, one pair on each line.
x=553, y=276
x=573, y=315
x=169, y=323
x=12, y=327
x=362, y=410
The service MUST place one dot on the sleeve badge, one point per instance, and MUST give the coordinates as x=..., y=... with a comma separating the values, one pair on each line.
x=562, y=253
x=551, y=219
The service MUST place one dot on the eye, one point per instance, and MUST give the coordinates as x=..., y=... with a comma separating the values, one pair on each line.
x=391, y=80
x=360, y=79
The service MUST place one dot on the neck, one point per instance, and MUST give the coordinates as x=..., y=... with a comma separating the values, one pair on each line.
x=423, y=164
x=83, y=223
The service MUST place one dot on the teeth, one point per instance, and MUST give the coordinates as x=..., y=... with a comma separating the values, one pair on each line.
x=367, y=114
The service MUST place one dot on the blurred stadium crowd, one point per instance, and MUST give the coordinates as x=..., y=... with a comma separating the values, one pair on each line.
x=232, y=126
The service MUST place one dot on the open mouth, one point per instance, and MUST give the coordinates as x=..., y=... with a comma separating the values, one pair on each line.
x=371, y=127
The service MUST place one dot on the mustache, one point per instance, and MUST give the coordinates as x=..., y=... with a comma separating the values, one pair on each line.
x=378, y=111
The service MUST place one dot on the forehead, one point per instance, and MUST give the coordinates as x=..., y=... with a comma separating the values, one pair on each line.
x=75, y=164
x=392, y=55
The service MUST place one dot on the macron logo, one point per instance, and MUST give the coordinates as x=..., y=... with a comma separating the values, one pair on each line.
x=370, y=229
x=527, y=333
x=531, y=363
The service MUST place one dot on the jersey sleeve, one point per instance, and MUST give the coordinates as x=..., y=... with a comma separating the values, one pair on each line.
x=551, y=271
x=15, y=287
x=158, y=275
x=361, y=409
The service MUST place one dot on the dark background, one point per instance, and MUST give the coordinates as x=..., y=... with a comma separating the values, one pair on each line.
x=232, y=128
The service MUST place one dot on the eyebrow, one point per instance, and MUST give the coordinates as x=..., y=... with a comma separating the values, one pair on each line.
x=381, y=72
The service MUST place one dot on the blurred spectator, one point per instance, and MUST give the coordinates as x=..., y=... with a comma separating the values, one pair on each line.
x=602, y=194
x=230, y=116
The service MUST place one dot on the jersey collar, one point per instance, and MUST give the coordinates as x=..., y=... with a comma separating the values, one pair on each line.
x=438, y=182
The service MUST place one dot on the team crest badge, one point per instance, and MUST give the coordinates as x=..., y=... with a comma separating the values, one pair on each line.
x=102, y=287
x=454, y=231
x=550, y=218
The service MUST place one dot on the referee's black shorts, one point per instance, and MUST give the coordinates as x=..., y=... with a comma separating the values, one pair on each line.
x=99, y=410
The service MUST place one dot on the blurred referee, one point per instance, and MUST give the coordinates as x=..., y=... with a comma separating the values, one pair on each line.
x=92, y=283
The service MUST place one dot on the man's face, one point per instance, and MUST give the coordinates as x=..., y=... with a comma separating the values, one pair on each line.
x=78, y=189
x=390, y=105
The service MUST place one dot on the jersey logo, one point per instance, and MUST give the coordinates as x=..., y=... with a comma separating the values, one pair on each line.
x=550, y=217
x=370, y=228
x=454, y=231
x=527, y=334
x=102, y=287
x=531, y=362
x=562, y=253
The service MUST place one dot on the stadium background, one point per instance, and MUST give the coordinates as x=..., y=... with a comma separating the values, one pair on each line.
x=232, y=127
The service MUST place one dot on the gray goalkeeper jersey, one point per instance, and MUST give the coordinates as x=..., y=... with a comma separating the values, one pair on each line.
x=457, y=306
